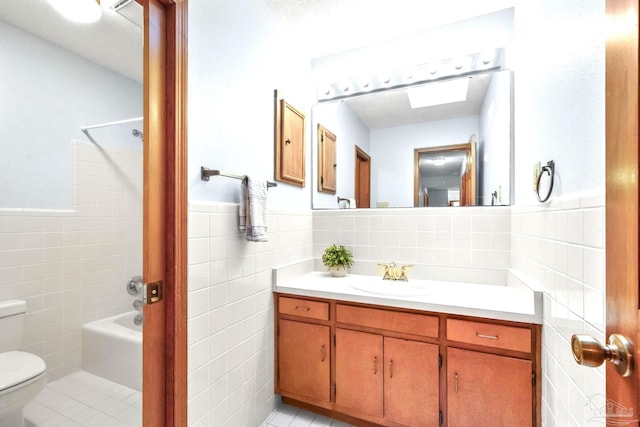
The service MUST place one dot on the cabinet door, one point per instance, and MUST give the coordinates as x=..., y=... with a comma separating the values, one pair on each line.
x=304, y=359
x=411, y=386
x=359, y=373
x=292, y=161
x=326, y=160
x=487, y=389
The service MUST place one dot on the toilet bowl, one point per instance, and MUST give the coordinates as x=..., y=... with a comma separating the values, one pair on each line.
x=22, y=375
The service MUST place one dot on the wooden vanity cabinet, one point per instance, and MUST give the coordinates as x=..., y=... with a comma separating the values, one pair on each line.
x=359, y=372
x=391, y=378
x=381, y=366
x=412, y=383
x=488, y=390
x=304, y=350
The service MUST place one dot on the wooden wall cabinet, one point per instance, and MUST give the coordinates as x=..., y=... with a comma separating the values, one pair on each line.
x=289, y=144
x=399, y=367
x=327, y=166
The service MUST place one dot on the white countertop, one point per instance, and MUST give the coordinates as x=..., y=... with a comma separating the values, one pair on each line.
x=518, y=304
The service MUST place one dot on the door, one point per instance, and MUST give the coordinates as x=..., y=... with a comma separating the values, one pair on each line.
x=488, y=390
x=304, y=360
x=363, y=179
x=359, y=368
x=411, y=386
x=622, y=197
x=165, y=212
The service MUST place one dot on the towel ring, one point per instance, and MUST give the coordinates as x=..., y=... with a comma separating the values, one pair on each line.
x=550, y=169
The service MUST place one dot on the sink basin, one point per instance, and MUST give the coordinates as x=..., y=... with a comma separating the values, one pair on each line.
x=390, y=288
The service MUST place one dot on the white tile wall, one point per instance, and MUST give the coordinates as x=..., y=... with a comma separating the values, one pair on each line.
x=447, y=240
x=72, y=266
x=231, y=311
x=561, y=248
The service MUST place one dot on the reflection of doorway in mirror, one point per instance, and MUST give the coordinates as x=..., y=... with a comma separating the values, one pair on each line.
x=445, y=175
x=362, y=190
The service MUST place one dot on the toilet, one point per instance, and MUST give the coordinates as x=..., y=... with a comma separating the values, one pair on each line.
x=22, y=375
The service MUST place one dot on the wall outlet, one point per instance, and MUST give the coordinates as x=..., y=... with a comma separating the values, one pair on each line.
x=536, y=172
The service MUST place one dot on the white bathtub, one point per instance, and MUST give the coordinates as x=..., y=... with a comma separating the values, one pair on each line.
x=112, y=349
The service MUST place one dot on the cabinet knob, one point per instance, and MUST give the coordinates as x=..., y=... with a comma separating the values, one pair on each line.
x=588, y=351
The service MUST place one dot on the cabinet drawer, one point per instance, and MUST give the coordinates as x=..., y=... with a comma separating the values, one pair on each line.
x=488, y=334
x=418, y=324
x=303, y=308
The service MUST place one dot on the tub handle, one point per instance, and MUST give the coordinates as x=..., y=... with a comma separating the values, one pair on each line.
x=135, y=285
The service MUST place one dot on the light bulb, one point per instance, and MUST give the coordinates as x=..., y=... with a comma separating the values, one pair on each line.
x=82, y=11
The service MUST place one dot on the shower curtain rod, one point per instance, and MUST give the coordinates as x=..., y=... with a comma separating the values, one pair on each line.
x=86, y=129
x=119, y=122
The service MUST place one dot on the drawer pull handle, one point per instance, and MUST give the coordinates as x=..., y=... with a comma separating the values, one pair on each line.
x=298, y=308
x=455, y=382
x=390, y=369
x=375, y=365
x=488, y=337
x=323, y=353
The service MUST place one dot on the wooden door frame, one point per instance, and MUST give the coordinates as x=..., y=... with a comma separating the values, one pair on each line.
x=622, y=214
x=416, y=164
x=164, y=398
x=361, y=154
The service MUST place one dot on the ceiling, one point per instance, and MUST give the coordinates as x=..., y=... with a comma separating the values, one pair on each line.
x=356, y=23
x=116, y=43
x=392, y=108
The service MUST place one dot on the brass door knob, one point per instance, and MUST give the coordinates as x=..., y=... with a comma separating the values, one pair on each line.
x=588, y=351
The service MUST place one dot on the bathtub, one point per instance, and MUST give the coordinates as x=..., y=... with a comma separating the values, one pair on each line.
x=112, y=349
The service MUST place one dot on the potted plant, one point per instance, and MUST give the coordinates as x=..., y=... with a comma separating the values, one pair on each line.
x=337, y=259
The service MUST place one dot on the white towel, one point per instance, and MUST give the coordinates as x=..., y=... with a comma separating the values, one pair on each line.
x=253, y=210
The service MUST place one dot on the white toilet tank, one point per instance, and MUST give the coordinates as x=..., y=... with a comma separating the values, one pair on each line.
x=11, y=324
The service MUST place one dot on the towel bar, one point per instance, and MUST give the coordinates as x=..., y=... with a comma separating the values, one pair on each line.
x=206, y=174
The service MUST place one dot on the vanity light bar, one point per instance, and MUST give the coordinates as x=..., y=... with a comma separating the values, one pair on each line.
x=451, y=67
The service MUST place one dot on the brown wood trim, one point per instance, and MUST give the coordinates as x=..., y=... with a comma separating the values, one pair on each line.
x=165, y=212
x=416, y=168
x=177, y=343
x=155, y=211
x=622, y=213
x=362, y=156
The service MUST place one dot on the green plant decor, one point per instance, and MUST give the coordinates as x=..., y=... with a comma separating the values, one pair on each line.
x=337, y=257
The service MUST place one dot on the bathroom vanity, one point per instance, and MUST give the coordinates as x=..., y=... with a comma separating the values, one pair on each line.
x=440, y=356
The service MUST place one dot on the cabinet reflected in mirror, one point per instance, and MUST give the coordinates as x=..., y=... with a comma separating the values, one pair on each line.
x=384, y=125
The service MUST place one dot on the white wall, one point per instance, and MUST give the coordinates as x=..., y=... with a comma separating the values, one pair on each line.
x=559, y=115
x=350, y=131
x=48, y=94
x=392, y=156
x=559, y=95
x=239, y=53
x=477, y=34
x=495, y=147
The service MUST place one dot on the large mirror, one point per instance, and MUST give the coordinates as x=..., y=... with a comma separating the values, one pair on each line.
x=411, y=161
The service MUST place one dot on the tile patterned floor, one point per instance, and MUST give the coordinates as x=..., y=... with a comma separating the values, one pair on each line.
x=85, y=400
x=288, y=416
